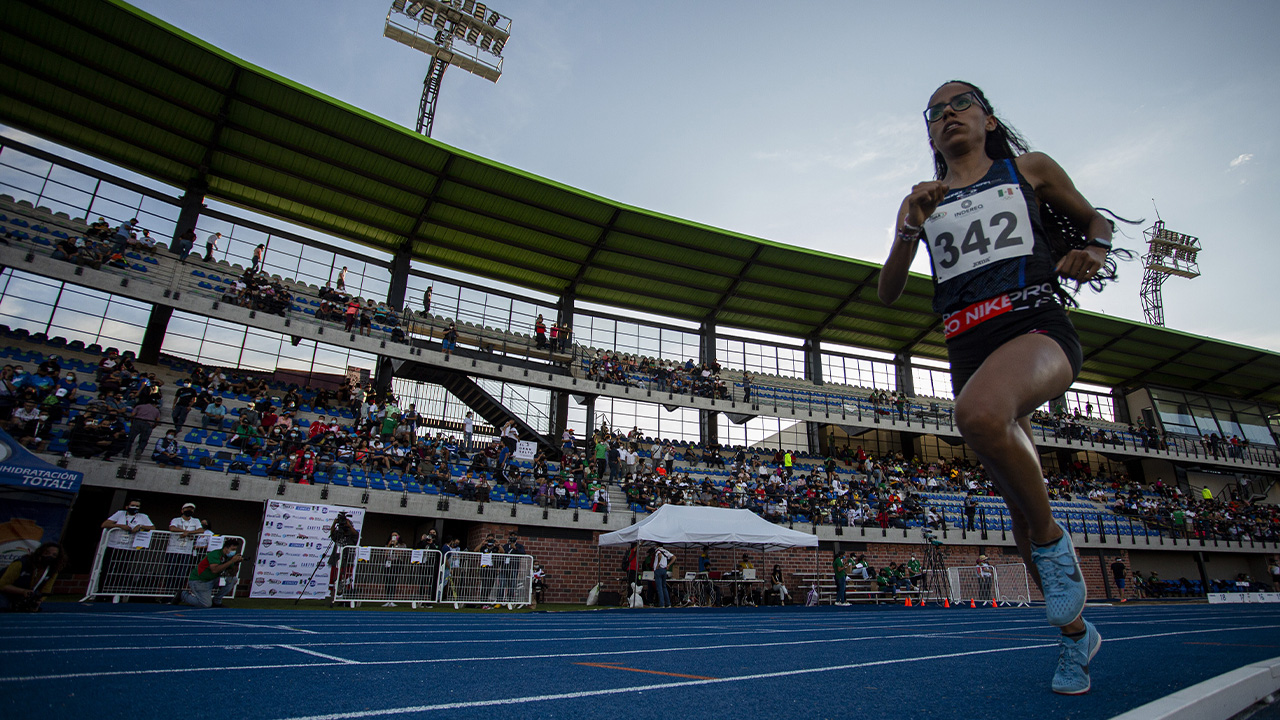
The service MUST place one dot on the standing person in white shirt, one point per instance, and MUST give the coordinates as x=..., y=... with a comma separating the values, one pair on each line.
x=182, y=546
x=661, y=559
x=468, y=427
x=117, y=559
x=211, y=245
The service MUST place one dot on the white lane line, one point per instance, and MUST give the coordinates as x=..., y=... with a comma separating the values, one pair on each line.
x=320, y=654
x=294, y=629
x=597, y=653
x=815, y=628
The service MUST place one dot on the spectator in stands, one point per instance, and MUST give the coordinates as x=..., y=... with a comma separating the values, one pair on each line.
x=9, y=392
x=204, y=576
x=450, y=340
x=259, y=254
x=341, y=283
x=113, y=435
x=426, y=302
x=186, y=241
x=143, y=420
x=214, y=414
x=211, y=246
x=27, y=580
x=27, y=423
x=166, y=451
x=540, y=332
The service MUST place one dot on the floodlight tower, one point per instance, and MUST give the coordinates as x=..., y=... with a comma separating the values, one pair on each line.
x=1168, y=253
x=433, y=26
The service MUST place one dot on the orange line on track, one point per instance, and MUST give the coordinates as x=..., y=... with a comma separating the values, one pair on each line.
x=651, y=672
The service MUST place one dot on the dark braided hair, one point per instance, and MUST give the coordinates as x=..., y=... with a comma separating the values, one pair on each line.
x=1062, y=233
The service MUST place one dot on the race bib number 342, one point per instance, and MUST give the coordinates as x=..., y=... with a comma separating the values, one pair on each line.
x=972, y=232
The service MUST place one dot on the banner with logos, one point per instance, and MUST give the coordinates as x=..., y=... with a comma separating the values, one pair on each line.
x=1243, y=597
x=293, y=543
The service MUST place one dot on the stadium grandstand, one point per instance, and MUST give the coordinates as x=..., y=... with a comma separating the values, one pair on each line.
x=330, y=309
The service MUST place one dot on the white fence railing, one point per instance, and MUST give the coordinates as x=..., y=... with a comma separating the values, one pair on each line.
x=1006, y=584
x=472, y=578
x=151, y=563
x=388, y=575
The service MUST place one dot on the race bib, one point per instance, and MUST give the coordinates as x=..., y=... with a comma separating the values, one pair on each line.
x=977, y=230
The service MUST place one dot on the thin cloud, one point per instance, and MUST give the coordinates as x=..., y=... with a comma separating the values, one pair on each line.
x=1240, y=160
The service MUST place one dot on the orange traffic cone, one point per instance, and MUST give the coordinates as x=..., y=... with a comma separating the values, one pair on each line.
x=946, y=602
x=994, y=604
x=907, y=602
x=972, y=604
x=921, y=601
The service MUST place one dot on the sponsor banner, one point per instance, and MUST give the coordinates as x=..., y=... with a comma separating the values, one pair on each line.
x=293, y=543
x=1244, y=597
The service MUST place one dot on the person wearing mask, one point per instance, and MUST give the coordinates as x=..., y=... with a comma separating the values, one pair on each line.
x=182, y=543
x=28, y=579
x=129, y=522
x=204, y=576
x=775, y=580
x=166, y=451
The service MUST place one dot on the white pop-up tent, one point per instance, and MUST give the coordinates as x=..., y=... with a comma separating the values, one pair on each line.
x=690, y=526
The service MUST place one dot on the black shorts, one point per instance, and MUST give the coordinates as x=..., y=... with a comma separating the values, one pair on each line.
x=970, y=349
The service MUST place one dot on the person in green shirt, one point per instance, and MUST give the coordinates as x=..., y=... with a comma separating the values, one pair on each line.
x=840, y=565
x=1180, y=522
x=390, y=419
x=602, y=455
x=914, y=572
x=204, y=576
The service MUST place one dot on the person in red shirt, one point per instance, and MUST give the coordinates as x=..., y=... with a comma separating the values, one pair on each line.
x=317, y=429
x=304, y=467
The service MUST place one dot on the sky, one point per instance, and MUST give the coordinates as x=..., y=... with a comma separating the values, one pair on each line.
x=799, y=122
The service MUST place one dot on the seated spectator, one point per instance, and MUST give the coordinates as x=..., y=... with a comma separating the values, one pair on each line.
x=27, y=424
x=214, y=414
x=166, y=450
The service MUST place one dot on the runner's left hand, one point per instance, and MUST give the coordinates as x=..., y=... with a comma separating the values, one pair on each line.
x=1082, y=265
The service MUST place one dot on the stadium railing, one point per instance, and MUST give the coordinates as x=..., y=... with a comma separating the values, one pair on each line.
x=154, y=563
x=388, y=575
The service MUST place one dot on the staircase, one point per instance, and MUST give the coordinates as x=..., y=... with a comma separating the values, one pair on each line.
x=476, y=398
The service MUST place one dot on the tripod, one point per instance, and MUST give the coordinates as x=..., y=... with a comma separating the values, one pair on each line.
x=934, y=569
x=319, y=563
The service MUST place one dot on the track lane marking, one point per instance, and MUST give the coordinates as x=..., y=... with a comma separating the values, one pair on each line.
x=320, y=654
x=611, y=666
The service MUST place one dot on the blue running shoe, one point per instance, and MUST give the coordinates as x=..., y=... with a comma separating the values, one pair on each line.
x=1072, y=676
x=1061, y=580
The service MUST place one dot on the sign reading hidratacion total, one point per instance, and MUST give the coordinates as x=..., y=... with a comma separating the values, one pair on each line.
x=295, y=542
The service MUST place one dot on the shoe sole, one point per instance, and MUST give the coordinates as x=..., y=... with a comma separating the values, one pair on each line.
x=1088, y=687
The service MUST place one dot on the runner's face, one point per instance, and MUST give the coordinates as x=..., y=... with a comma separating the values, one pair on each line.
x=958, y=129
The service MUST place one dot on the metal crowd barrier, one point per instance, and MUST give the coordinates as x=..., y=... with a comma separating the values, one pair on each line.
x=153, y=563
x=388, y=575
x=1006, y=584
x=472, y=578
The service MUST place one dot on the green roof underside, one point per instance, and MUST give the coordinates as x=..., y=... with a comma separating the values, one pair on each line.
x=109, y=80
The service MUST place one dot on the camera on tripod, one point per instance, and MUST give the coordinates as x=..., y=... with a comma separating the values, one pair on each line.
x=930, y=538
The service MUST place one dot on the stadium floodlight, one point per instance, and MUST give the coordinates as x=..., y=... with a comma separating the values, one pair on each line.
x=433, y=26
x=1168, y=253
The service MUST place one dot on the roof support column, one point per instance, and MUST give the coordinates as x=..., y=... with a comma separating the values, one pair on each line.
x=812, y=349
x=708, y=420
x=902, y=369
x=560, y=400
x=158, y=323
x=399, y=279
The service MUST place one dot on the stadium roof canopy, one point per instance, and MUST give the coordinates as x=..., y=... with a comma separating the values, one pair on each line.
x=109, y=80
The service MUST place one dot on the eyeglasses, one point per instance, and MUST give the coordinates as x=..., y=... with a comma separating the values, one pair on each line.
x=959, y=103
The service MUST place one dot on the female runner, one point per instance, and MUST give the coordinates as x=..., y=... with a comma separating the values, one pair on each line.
x=1001, y=225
